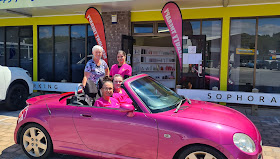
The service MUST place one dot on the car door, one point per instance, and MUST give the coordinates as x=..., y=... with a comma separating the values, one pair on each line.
x=113, y=132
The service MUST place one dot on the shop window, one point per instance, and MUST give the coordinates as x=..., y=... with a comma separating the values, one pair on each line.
x=61, y=53
x=191, y=27
x=212, y=29
x=268, y=55
x=26, y=54
x=78, y=52
x=16, y=47
x=46, y=53
x=162, y=28
x=143, y=28
x=205, y=36
x=25, y=31
x=2, y=49
x=12, y=48
x=91, y=42
x=241, y=55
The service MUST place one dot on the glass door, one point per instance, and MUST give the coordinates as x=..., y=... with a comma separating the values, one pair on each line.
x=193, y=73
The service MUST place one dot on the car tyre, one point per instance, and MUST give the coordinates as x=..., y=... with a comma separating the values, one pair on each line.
x=16, y=97
x=199, y=151
x=36, y=142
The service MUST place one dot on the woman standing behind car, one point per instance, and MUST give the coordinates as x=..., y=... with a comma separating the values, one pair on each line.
x=96, y=67
x=121, y=68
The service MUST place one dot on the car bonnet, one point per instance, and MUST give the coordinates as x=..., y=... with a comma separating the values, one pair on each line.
x=215, y=113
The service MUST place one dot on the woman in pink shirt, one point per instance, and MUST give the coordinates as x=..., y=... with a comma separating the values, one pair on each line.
x=120, y=93
x=121, y=68
x=106, y=100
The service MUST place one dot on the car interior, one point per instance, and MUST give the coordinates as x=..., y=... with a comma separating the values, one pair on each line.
x=88, y=95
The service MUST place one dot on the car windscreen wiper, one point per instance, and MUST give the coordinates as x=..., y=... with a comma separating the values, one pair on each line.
x=182, y=102
x=189, y=101
x=179, y=105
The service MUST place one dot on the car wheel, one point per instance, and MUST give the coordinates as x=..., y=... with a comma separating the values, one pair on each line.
x=16, y=97
x=201, y=152
x=36, y=142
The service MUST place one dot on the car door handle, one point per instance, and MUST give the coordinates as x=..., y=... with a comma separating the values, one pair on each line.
x=85, y=115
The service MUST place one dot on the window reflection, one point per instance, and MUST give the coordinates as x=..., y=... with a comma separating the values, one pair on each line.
x=45, y=53
x=26, y=54
x=143, y=28
x=191, y=27
x=268, y=55
x=241, y=55
x=12, y=52
x=212, y=30
x=91, y=42
x=54, y=62
x=61, y=53
x=78, y=52
x=162, y=28
x=2, y=53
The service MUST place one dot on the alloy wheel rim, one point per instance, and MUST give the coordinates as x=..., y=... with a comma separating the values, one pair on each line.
x=200, y=155
x=35, y=142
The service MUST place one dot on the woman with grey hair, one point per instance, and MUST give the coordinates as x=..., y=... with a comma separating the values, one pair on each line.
x=96, y=67
x=95, y=70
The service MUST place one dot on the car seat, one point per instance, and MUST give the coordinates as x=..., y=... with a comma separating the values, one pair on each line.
x=91, y=92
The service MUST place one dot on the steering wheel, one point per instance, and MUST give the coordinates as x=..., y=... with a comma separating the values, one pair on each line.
x=78, y=103
x=79, y=95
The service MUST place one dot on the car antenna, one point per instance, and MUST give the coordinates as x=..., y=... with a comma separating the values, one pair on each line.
x=48, y=108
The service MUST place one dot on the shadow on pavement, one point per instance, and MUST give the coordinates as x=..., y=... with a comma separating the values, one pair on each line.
x=15, y=152
x=5, y=112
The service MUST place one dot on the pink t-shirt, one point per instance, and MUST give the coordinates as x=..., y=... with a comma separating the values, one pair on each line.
x=101, y=102
x=125, y=69
x=122, y=97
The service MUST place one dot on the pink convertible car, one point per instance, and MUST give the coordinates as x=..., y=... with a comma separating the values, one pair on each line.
x=159, y=125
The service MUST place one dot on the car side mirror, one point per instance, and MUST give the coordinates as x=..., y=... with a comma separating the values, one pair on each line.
x=127, y=108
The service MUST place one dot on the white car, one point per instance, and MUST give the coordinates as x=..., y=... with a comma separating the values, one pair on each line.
x=15, y=87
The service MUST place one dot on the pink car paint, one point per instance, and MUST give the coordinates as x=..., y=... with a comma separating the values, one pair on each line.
x=110, y=133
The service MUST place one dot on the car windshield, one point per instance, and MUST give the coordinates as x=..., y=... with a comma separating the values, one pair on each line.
x=157, y=97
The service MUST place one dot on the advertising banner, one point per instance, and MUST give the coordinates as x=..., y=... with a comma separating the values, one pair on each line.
x=173, y=19
x=97, y=26
x=243, y=51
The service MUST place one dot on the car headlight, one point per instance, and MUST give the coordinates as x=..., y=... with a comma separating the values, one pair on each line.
x=244, y=142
